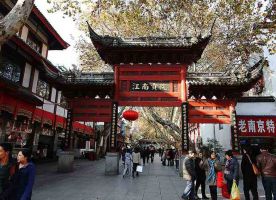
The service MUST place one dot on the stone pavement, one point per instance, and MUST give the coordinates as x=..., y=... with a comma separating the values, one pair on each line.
x=88, y=182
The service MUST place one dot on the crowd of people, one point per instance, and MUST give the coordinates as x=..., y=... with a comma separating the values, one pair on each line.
x=131, y=158
x=16, y=176
x=201, y=169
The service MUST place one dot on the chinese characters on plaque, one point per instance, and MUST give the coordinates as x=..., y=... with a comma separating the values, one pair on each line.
x=185, y=134
x=150, y=86
x=114, y=125
x=256, y=125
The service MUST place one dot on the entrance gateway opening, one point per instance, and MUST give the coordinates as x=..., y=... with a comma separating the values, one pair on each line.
x=153, y=72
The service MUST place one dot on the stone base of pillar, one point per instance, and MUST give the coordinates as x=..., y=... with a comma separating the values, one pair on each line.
x=112, y=163
x=66, y=162
x=181, y=159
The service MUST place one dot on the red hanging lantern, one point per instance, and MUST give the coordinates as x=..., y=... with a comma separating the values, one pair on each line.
x=130, y=115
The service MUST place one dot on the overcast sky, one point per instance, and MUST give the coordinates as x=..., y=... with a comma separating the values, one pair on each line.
x=67, y=30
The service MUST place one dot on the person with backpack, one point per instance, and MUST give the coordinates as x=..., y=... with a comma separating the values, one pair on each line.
x=249, y=177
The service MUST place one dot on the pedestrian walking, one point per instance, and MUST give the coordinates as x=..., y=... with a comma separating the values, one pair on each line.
x=211, y=166
x=160, y=152
x=189, y=175
x=152, y=152
x=143, y=155
x=136, y=161
x=164, y=156
x=147, y=154
x=128, y=163
x=168, y=156
x=7, y=169
x=177, y=159
x=23, y=180
x=231, y=172
x=266, y=163
x=200, y=175
x=249, y=177
x=123, y=155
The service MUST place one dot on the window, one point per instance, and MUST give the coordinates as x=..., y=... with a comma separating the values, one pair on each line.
x=33, y=42
x=63, y=102
x=10, y=70
x=43, y=89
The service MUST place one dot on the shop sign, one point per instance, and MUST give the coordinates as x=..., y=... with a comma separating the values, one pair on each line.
x=256, y=125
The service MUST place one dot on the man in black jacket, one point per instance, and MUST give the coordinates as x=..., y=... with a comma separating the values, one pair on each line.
x=200, y=176
x=249, y=177
x=189, y=174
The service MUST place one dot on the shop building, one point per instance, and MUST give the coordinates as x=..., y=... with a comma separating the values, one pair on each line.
x=256, y=120
x=32, y=107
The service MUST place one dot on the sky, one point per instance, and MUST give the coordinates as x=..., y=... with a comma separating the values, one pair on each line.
x=67, y=29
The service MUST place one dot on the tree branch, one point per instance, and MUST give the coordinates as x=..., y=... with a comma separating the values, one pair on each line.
x=15, y=19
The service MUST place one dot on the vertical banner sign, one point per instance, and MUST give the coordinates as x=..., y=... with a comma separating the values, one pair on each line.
x=113, y=134
x=69, y=122
x=234, y=134
x=185, y=134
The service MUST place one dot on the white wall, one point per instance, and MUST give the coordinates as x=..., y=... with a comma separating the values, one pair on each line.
x=61, y=112
x=53, y=94
x=27, y=75
x=35, y=80
x=59, y=97
x=48, y=106
x=223, y=135
x=44, y=50
x=24, y=33
x=256, y=108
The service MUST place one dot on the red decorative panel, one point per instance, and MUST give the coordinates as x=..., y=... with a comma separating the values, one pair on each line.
x=60, y=121
x=210, y=111
x=258, y=126
x=91, y=110
x=7, y=103
x=37, y=115
x=48, y=118
x=150, y=85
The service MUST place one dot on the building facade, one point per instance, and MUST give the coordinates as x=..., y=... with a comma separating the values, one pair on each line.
x=32, y=107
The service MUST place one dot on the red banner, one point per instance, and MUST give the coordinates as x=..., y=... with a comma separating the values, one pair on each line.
x=256, y=125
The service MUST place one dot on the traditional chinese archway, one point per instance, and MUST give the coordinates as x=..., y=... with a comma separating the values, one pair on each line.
x=153, y=71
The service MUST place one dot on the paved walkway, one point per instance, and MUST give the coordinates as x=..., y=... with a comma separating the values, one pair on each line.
x=88, y=182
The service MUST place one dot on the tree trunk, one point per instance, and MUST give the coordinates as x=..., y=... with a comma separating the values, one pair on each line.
x=15, y=19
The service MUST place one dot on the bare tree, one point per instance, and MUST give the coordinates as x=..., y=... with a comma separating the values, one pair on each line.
x=15, y=19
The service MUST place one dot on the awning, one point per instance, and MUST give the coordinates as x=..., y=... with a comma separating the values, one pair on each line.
x=37, y=115
x=82, y=128
x=48, y=118
x=60, y=122
x=16, y=106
